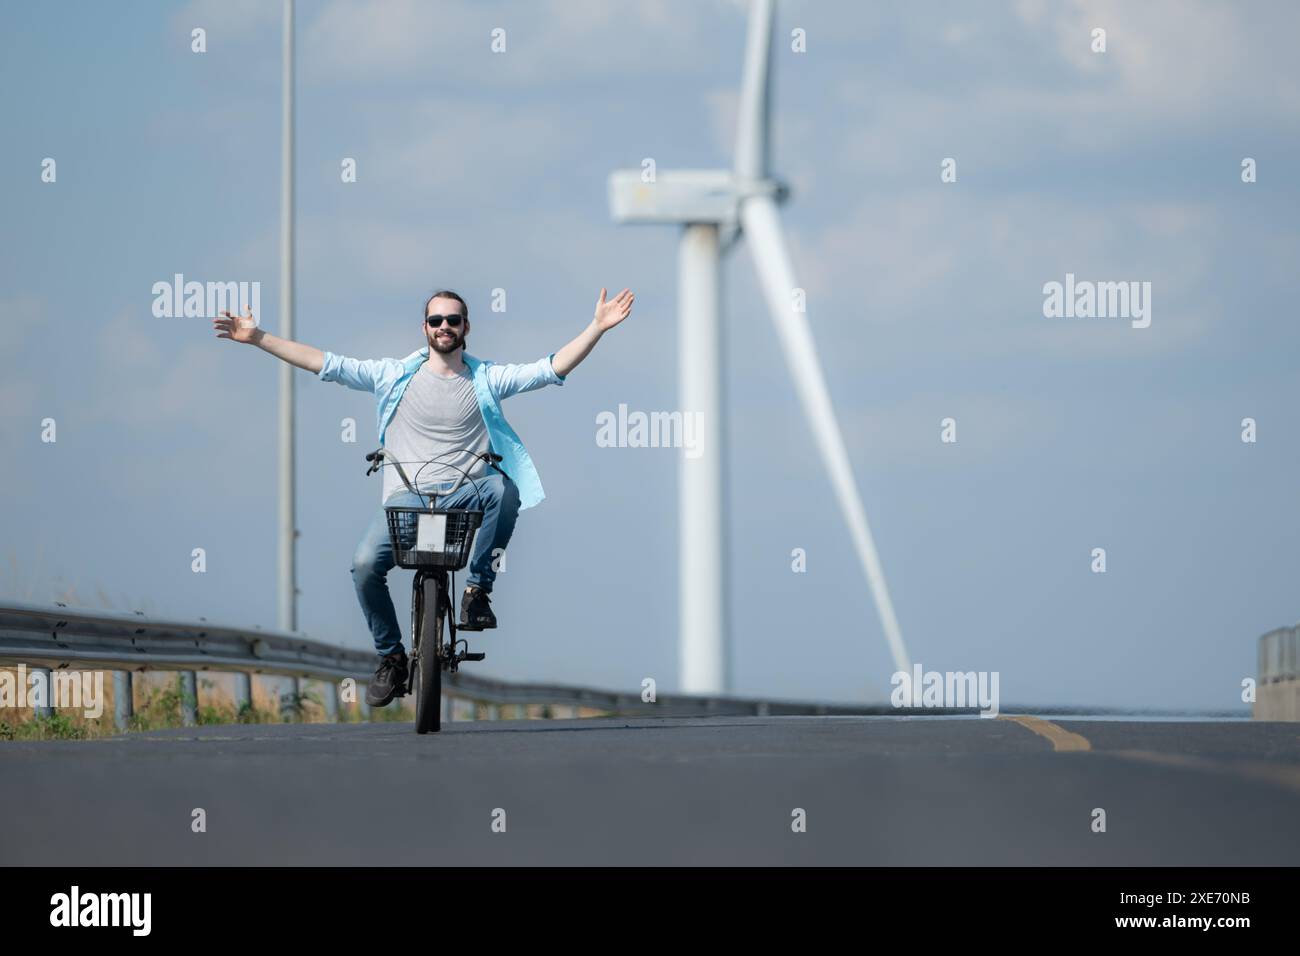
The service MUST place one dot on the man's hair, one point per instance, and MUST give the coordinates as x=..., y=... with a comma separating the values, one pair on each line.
x=448, y=294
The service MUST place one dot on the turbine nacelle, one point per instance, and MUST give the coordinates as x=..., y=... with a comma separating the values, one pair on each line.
x=686, y=196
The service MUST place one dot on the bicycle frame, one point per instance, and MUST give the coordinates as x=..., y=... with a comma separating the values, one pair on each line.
x=431, y=602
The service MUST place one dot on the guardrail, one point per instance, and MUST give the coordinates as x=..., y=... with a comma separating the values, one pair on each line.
x=1277, y=691
x=57, y=637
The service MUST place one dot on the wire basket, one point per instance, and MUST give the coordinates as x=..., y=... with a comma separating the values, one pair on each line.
x=432, y=539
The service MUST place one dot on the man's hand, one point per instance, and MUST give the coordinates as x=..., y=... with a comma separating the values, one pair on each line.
x=611, y=313
x=608, y=315
x=243, y=328
x=238, y=328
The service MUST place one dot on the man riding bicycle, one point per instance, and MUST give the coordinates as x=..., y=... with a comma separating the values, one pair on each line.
x=439, y=414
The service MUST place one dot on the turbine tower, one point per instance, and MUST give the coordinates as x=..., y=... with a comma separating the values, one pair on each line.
x=710, y=205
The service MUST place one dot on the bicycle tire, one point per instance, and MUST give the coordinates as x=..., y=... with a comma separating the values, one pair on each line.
x=427, y=622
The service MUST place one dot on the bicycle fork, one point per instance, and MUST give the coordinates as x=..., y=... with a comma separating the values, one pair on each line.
x=445, y=654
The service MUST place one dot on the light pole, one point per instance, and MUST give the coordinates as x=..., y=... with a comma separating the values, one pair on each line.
x=288, y=576
x=288, y=530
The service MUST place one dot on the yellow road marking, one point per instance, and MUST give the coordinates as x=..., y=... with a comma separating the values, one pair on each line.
x=1282, y=775
x=1062, y=739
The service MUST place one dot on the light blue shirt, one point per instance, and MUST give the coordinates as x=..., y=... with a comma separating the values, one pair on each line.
x=387, y=378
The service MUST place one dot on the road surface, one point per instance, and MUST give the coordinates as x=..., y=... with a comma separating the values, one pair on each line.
x=877, y=791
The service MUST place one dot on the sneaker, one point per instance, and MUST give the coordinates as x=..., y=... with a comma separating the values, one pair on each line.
x=476, y=610
x=390, y=680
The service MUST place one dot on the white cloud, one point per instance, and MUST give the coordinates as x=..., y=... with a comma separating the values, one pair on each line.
x=17, y=407
x=473, y=154
x=972, y=270
x=229, y=19
x=1170, y=68
x=1180, y=60
x=22, y=317
x=547, y=41
x=153, y=387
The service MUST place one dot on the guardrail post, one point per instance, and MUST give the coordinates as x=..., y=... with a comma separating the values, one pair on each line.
x=243, y=691
x=189, y=698
x=290, y=699
x=46, y=706
x=123, y=699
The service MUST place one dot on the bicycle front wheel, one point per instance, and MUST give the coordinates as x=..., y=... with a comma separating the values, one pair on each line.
x=426, y=629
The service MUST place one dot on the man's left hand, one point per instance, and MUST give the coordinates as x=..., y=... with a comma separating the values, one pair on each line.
x=611, y=313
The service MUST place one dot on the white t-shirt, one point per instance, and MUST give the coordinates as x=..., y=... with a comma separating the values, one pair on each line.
x=438, y=414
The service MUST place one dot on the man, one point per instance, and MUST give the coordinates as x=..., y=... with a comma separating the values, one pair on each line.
x=440, y=406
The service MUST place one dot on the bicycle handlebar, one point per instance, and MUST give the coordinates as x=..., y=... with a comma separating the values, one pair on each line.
x=376, y=458
x=378, y=454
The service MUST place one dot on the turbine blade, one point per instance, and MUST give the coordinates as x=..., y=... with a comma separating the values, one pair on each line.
x=754, y=112
x=763, y=230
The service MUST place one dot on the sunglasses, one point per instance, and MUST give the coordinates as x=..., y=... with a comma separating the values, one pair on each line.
x=434, y=321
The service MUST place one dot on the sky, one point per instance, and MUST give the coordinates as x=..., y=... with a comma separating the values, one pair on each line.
x=479, y=171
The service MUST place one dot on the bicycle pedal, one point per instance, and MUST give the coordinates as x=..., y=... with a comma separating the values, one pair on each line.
x=474, y=657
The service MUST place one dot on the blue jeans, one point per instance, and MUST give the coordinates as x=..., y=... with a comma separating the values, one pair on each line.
x=499, y=500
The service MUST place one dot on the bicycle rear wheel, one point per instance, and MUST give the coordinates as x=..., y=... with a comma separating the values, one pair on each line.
x=427, y=613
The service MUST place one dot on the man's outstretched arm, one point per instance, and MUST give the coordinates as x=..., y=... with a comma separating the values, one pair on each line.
x=608, y=315
x=243, y=328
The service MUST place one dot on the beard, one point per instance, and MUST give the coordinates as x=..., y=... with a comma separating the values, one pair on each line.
x=446, y=346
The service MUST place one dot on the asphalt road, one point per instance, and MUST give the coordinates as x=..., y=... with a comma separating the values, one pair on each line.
x=648, y=791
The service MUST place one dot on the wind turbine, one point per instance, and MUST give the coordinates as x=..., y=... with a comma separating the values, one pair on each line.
x=708, y=204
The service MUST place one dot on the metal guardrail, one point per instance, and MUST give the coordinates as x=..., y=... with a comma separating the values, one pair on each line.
x=1279, y=655
x=59, y=637
x=1277, y=694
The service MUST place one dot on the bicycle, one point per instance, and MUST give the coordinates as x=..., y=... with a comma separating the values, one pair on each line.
x=432, y=542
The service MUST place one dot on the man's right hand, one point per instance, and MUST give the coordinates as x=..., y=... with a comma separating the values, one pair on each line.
x=238, y=328
x=243, y=328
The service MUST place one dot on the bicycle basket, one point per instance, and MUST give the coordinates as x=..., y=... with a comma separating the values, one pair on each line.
x=438, y=539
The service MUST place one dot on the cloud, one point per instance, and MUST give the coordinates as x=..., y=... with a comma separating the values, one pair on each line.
x=170, y=410
x=233, y=19
x=154, y=385
x=22, y=317
x=468, y=155
x=1014, y=92
x=971, y=269
x=24, y=321
x=17, y=407
x=551, y=41
x=1174, y=61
